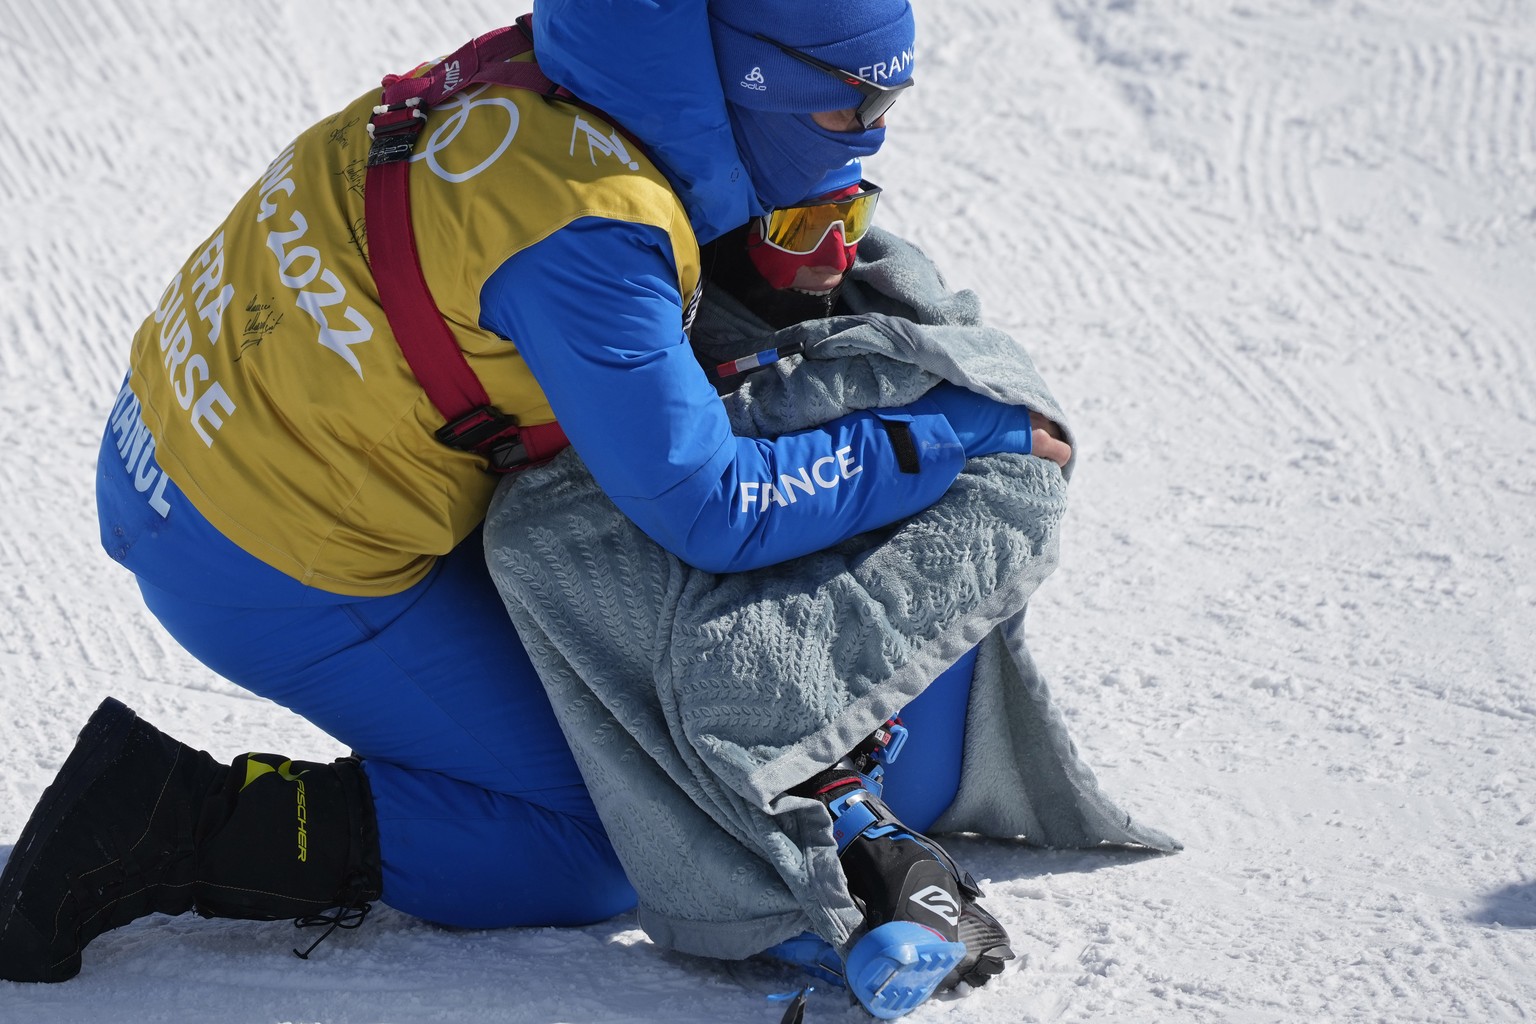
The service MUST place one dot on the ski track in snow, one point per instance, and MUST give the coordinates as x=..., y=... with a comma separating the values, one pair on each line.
x=1278, y=262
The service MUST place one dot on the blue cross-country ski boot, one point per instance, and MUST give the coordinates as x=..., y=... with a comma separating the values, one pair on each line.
x=926, y=932
x=136, y=823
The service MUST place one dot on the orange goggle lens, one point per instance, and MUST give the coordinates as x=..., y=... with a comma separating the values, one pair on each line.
x=801, y=229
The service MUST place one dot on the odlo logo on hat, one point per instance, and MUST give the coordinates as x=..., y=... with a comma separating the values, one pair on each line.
x=871, y=39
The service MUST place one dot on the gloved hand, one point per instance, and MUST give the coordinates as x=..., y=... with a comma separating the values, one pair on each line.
x=983, y=425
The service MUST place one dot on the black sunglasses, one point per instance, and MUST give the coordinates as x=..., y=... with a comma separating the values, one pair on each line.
x=877, y=98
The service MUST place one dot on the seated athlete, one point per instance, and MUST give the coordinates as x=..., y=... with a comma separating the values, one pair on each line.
x=785, y=268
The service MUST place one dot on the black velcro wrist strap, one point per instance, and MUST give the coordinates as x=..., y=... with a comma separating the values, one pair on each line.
x=900, y=433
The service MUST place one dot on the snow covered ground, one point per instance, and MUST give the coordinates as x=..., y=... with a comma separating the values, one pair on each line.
x=1277, y=259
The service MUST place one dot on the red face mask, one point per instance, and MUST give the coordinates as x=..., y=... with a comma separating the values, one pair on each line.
x=833, y=254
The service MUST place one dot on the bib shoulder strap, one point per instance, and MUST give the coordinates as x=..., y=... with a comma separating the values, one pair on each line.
x=425, y=340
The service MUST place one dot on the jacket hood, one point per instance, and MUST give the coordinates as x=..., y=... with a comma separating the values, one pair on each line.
x=650, y=66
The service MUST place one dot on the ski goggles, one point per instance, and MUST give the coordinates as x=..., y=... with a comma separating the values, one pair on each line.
x=877, y=99
x=801, y=229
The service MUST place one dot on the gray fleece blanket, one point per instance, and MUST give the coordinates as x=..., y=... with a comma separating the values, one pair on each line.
x=694, y=701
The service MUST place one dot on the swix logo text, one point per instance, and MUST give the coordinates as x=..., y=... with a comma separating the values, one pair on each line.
x=755, y=81
x=451, y=75
x=822, y=475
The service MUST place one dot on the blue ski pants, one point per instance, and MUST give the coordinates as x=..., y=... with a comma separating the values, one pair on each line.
x=484, y=820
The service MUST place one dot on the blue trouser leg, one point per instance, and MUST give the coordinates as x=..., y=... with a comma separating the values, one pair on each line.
x=483, y=817
x=923, y=781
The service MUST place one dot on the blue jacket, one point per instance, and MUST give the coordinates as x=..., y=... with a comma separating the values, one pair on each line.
x=596, y=311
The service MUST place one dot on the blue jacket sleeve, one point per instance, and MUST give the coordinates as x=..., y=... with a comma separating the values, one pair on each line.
x=595, y=311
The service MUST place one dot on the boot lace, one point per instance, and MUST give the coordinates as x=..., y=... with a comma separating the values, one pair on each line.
x=341, y=917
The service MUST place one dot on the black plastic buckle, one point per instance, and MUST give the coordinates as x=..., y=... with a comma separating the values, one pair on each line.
x=488, y=432
x=879, y=748
x=394, y=130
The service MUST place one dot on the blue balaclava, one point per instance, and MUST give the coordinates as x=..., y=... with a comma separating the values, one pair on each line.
x=770, y=95
x=837, y=179
x=778, y=267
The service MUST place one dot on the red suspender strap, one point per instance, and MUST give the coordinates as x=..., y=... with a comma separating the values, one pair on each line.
x=424, y=338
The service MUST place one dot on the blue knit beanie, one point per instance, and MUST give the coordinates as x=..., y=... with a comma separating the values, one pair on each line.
x=875, y=39
x=771, y=95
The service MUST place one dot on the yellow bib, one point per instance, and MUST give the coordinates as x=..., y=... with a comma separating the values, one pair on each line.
x=278, y=398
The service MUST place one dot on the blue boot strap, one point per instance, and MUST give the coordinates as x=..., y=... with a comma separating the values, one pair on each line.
x=851, y=816
x=812, y=954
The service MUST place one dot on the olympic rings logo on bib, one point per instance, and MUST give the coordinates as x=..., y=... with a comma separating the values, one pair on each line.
x=458, y=109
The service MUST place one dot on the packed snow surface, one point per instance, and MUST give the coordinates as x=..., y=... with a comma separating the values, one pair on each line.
x=1278, y=261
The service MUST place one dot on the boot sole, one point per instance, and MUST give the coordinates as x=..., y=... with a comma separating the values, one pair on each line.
x=96, y=747
x=897, y=966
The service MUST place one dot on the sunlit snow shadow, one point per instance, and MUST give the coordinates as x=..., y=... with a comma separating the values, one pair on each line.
x=1513, y=906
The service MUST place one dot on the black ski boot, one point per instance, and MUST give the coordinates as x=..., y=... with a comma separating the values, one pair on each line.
x=926, y=932
x=909, y=889
x=986, y=948
x=136, y=823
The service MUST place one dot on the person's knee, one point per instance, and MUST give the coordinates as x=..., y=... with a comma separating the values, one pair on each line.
x=610, y=894
x=592, y=872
